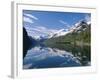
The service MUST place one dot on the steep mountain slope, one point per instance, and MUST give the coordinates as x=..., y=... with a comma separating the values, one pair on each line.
x=80, y=34
x=26, y=42
x=78, y=27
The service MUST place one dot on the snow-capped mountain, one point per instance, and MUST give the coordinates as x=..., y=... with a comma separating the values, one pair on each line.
x=77, y=28
x=58, y=33
x=61, y=32
x=80, y=26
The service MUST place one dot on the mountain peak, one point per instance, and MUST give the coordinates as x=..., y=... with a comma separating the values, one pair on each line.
x=78, y=27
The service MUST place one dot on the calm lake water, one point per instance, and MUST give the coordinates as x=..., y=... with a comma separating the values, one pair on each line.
x=46, y=57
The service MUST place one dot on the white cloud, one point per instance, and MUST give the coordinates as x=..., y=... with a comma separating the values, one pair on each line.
x=45, y=30
x=39, y=30
x=88, y=17
x=26, y=19
x=31, y=16
x=64, y=23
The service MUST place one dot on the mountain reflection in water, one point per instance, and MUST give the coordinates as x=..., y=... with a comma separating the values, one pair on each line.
x=46, y=57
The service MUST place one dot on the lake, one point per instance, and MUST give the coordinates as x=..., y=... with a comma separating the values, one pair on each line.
x=46, y=57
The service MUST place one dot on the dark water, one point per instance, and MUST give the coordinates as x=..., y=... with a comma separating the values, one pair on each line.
x=46, y=57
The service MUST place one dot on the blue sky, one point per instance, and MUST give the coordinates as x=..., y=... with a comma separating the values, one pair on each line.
x=44, y=22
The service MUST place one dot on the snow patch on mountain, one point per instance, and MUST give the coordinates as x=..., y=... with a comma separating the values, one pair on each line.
x=61, y=32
